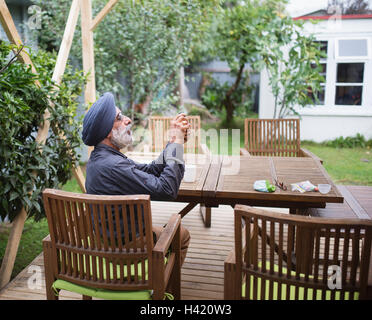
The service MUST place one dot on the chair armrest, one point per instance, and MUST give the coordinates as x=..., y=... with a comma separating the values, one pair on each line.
x=167, y=235
x=306, y=153
x=244, y=152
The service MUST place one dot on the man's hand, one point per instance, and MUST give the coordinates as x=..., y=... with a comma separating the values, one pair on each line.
x=179, y=128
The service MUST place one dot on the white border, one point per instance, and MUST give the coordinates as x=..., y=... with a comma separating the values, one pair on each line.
x=341, y=58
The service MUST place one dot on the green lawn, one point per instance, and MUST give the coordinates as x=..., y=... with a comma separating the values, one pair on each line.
x=345, y=166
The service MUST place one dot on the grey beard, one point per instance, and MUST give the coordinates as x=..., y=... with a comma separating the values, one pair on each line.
x=122, y=137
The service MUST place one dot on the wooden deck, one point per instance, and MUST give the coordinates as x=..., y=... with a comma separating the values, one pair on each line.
x=202, y=272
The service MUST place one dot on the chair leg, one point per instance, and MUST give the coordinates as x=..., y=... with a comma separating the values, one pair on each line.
x=158, y=275
x=174, y=285
x=231, y=291
x=48, y=270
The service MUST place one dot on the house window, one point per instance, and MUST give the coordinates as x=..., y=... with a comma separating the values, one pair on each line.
x=349, y=83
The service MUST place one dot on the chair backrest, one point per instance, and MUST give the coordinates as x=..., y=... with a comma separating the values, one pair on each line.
x=282, y=256
x=272, y=137
x=159, y=127
x=92, y=239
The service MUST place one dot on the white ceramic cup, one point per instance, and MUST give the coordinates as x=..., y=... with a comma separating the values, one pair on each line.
x=324, y=188
x=190, y=173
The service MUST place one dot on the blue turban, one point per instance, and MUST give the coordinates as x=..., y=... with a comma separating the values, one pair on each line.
x=99, y=120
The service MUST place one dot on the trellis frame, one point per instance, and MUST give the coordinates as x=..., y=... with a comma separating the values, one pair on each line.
x=88, y=25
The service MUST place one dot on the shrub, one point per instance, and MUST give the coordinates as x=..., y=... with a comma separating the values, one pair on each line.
x=349, y=142
x=27, y=167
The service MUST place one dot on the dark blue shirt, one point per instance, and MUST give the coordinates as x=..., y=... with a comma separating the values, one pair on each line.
x=109, y=172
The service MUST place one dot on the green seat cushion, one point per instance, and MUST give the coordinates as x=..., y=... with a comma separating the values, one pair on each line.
x=292, y=289
x=109, y=294
x=102, y=293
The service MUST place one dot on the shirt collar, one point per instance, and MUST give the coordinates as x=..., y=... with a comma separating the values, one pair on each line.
x=108, y=148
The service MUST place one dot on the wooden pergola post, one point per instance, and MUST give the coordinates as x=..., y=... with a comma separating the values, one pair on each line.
x=88, y=50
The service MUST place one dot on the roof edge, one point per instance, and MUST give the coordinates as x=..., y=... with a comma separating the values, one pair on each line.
x=344, y=16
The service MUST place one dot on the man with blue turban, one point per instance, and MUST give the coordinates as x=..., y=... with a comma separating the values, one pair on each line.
x=110, y=172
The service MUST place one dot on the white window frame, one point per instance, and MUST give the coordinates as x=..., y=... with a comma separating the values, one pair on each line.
x=350, y=84
x=337, y=57
x=329, y=108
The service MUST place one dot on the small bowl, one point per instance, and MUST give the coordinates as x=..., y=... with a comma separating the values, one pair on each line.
x=324, y=188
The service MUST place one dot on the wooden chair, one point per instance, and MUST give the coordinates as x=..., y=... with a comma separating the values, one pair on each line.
x=257, y=268
x=274, y=137
x=159, y=127
x=90, y=250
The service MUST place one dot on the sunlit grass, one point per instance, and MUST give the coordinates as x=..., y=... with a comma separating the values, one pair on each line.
x=345, y=166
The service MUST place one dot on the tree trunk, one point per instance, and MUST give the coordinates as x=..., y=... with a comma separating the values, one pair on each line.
x=228, y=103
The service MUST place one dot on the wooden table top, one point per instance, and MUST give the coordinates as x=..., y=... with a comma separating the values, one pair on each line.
x=286, y=169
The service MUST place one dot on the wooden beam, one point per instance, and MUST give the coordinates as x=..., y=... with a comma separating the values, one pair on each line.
x=68, y=36
x=107, y=8
x=88, y=50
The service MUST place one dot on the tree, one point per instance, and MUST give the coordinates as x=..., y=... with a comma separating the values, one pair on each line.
x=139, y=47
x=348, y=6
x=22, y=105
x=295, y=78
x=253, y=35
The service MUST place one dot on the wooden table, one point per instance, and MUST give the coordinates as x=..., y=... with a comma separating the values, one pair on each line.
x=216, y=186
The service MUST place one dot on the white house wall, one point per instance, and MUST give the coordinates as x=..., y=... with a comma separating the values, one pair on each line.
x=330, y=121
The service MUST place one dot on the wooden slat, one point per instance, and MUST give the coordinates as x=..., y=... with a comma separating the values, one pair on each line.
x=100, y=16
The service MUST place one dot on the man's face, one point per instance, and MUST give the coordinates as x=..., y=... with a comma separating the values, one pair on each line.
x=121, y=134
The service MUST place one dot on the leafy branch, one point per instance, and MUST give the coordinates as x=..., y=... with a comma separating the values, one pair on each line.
x=13, y=59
